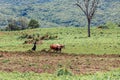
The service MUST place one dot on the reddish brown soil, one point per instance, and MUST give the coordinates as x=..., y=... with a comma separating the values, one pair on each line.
x=50, y=62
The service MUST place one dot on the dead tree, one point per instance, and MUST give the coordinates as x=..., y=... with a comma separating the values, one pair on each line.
x=88, y=7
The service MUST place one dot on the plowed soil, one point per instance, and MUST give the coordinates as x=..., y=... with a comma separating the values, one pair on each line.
x=42, y=62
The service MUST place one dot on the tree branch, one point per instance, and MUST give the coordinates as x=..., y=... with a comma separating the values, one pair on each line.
x=93, y=8
x=86, y=3
x=81, y=7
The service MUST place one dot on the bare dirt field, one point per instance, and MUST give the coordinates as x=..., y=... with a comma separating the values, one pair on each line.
x=51, y=62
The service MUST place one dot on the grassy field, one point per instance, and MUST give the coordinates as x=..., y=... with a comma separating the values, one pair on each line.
x=112, y=75
x=102, y=41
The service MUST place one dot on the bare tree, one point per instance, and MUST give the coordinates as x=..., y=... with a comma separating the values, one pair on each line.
x=88, y=7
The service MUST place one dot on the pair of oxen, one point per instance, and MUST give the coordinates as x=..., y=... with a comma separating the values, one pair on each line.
x=56, y=47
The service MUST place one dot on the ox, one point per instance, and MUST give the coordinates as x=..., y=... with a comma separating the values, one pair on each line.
x=57, y=47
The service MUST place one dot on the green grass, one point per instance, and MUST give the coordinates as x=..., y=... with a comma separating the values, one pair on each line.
x=112, y=75
x=102, y=41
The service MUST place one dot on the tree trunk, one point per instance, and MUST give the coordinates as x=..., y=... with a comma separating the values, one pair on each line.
x=89, y=21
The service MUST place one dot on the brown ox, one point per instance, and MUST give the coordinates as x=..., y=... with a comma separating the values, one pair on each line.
x=56, y=47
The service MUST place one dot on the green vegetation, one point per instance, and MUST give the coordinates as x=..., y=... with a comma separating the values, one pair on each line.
x=112, y=75
x=57, y=12
x=63, y=71
x=33, y=24
x=21, y=24
x=24, y=15
x=103, y=41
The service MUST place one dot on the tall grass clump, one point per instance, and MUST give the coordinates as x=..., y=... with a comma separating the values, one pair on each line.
x=63, y=71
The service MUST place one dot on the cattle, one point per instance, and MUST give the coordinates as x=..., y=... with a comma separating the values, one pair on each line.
x=56, y=47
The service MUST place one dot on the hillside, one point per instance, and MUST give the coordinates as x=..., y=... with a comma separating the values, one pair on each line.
x=103, y=41
x=52, y=13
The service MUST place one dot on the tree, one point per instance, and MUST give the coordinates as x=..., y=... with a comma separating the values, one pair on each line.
x=88, y=7
x=12, y=26
x=22, y=22
x=17, y=24
x=33, y=24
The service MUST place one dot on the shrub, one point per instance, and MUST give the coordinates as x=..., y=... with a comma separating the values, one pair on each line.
x=33, y=24
x=30, y=36
x=63, y=71
x=118, y=24
x=16, y=24
x=12, y=27
x=21, y=24
x=23, y=36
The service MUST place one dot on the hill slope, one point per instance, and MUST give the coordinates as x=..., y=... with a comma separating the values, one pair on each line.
x=103, y=41
x=57, y=12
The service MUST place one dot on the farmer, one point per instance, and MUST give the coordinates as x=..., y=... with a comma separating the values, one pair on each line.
x=34, y=46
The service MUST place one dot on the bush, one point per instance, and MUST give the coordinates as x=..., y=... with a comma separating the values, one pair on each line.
x=23, y=36
x=16, y=24
x=21, y=24
x=33, y=24
x=118, y=24
x=63, y=71
x=12, y=27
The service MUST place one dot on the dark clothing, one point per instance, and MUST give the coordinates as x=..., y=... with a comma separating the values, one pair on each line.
x=34, y=47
